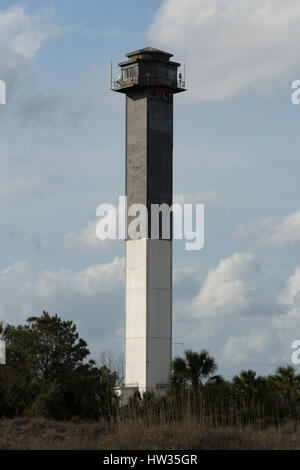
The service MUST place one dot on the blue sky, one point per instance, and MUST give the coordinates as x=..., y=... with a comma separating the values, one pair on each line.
x=236, y=140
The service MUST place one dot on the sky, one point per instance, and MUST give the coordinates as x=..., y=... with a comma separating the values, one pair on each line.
x=236, y=147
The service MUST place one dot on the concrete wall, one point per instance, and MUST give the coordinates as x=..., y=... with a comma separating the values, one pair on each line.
x=148, y=297
x=148, y=303
x=149, y=148
x=136, y=148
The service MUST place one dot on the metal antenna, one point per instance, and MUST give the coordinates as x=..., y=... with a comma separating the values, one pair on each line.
x=185, y=57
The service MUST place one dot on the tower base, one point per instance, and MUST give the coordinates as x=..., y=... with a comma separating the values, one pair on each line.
x=125, y=393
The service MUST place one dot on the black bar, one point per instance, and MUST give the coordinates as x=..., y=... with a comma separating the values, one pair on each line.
x=137, y=458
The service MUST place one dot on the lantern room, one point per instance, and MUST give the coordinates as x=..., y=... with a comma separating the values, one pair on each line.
x=149, y=67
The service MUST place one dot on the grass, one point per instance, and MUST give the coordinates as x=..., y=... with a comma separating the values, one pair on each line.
x=41, y=434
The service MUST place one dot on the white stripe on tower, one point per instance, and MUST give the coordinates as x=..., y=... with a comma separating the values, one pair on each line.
x=148, y=306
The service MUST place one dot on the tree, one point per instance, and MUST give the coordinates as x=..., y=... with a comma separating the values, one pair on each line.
x=18, y=386
x=216, y=380
x=192, y=369
x=249, y=388
x=48, y=372
x=59, y=350
x=287, y=383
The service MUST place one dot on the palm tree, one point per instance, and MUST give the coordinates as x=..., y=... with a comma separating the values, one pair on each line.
x=193, y=368
x=216, y=380
x=248, y=386
x=286, y=382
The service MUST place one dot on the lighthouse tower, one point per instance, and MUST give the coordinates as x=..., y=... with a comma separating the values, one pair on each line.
x=149, y=80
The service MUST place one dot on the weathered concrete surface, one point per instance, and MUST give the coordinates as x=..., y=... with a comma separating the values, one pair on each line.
x=148, y=322
x=149, y=148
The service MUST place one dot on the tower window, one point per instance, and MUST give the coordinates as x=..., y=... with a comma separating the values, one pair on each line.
x=172, y=74
x=130, y=72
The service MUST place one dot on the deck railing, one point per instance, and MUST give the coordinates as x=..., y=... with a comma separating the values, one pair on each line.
x=148, y=81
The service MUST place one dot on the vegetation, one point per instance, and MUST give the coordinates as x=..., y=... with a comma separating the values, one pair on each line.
x=47, y=373
x=49, y=379
x=38, y=433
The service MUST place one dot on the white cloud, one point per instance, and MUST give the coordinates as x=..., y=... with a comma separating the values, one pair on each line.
x=250, y=348
x=26, y=287
x=92, y=298
x=244, y=318
x=19, y=189
x=21, y=37
x=235, y=287
x=85, y=238
x=92, y=281
x=260, y=332
x=231, y=44
x=267, y=341
x=24, y=34
x=276, y=233
x=293, y=288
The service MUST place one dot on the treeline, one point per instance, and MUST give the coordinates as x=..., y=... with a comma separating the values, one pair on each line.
x=48, y=374
x=197, y=392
